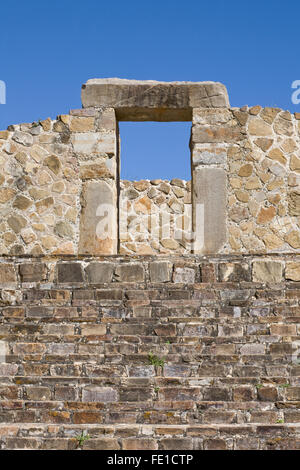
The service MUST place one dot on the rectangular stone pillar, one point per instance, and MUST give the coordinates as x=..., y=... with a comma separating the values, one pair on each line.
x=97, y=155
x=209, y=138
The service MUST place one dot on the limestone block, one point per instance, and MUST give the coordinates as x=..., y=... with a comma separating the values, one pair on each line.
x=184, y=275
x=209, y=209
x=98, y=220
x=208, y=155
x=97, y=142
x=137, y=99
x=99, y=394
x=131, y=272
x=292, y=271
x=234, y=272
x=23, y=138
x=69, y=272
x=100, y=273
x=7, y=273
x=294, y=203
x=160, y=271
x=33, y=272
x=82, y=124
x=216, y=134
x=211, y=116
x=267, y=271
x=259, y=128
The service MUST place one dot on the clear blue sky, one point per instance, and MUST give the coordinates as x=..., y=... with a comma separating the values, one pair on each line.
x=49, y=48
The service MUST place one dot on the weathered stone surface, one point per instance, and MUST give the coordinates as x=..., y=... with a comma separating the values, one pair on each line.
x=64, y=230
x=246, y=170
x=234, y=272
x=160, y=271
x=23, y=138
x=294, y=203
x=264, y=143
x=22, y=203
x=6, y=194
x=184, y=275
x=292, y=271
x=259, y=128
x=267, y=271
x=7, y=273
x=98, y=221
x=53, y=163
x=82, y=124
x=209, y=209
x=99, y=394
x=33, y=272
x=69, y=272
x=99, y=273
x=265, y=215
x=208, y=156
x=16, y=223
x=203, y=135
x=95, y=171
x=137, y=99
x=131, y=272
x=293, y=238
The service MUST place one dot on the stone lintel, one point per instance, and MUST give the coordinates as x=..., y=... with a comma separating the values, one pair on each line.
x=144, y=100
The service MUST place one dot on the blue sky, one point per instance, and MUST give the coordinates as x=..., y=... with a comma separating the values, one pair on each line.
x=49, y=48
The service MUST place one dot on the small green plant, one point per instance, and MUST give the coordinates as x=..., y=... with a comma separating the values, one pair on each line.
x=168, y=342
x=36, y=123
x=259, y=385
x=156, y=389
x=155, y=360
x=81, y=438
x=284, y=385
x=279, y=421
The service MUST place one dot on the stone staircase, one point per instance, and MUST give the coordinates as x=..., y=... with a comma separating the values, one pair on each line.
x=150, y=353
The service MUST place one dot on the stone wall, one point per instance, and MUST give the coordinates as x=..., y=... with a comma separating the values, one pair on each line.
x=49, y=169
x=155, y=217
x=255, y=153
x=180, y=352
x=60, y=190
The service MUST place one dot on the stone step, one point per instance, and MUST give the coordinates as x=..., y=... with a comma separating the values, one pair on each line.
x=153, y=437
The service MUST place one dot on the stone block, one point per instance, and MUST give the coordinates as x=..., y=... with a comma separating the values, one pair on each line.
x=234, y=272
x=69, y=272
x=136, y=100
x=33, y=272
x=294, y=203
x=100, y=273
x=204, y=155
x=292, y=271
x=209, y=209
x=160, y=271
x=216, y=134
x=7, y=273
x=184, y=275
x=131, y=272
x=267, y=271
x=98, y=220
x=99, y=394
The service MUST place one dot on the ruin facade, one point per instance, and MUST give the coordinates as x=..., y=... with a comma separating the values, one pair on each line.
x=151, y=314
